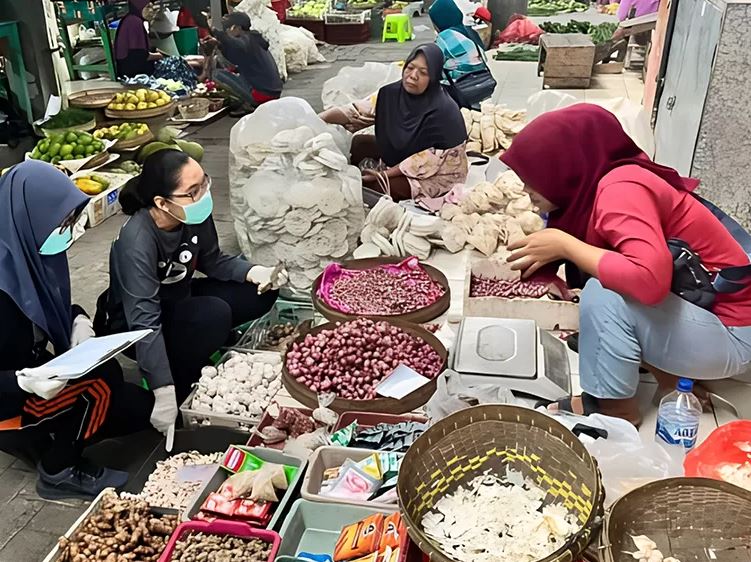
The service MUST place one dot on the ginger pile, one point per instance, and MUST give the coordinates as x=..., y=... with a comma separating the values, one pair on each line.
x=122, y=530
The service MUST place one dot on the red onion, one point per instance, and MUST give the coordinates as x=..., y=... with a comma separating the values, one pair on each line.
x=384, y=291
x=487, y=287
x=357, y=355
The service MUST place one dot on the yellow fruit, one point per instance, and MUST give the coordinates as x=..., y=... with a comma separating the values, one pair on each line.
x=130, y=106
x=151, y=95
x=141, y=105
x=119, y=106
x=160, y=102
x=164, y=95
x=89, y=186
x=151, y=105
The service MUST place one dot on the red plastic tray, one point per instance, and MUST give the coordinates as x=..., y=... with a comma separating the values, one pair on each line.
x=371, y=419
x=255, y=439
x=220, y=527
x=717, y=449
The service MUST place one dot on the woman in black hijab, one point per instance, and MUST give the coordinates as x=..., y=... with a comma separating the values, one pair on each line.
x=419, y=137
x=43, y=419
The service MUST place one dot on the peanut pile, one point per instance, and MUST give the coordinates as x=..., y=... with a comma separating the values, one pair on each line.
x=122, y=530
x=202, y=547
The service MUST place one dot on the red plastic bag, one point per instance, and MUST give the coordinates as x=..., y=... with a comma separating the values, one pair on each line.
x=520, y=30
x=729, y=443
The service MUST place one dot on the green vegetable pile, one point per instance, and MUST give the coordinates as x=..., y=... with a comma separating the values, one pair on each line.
x=599, y=33
x=523, y=53
x=552, y=7
x=67, y=118
x=67, y=146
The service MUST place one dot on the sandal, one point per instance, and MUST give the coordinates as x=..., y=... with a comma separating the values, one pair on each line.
x=588, y=405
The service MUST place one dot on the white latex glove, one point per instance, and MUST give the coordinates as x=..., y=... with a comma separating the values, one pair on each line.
x=268, y=277
x=39, y=381
x=83, y=329
x=164, y=414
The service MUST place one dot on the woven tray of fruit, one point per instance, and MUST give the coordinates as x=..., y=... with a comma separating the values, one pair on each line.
x=140, y=104
x=74, y=150
x=127, y=136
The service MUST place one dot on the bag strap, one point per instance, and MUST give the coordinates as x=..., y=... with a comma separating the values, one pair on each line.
x=483, y=158
x=731, y=279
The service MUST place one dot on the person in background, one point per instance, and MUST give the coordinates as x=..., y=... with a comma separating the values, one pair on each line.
x=169, y=236
x=258, y=80
x=461, y=46
x=636, y=8
x=132, y=50
x=611, y=211
x=46, y=421
x=419, y=137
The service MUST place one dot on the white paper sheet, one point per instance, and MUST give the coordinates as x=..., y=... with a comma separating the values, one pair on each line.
x=401, y=382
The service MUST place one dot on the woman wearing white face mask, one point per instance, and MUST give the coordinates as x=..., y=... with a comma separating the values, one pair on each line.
x=44, y=420
x=169, y=236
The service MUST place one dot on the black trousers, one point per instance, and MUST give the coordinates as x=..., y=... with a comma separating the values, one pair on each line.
x=56, y=431
x=197, y=326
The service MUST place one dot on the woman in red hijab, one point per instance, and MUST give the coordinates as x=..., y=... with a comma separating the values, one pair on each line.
x=610, y=212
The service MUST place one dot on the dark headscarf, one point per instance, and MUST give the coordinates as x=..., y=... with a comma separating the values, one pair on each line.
x=406, y=124
x=131, y=33
x=35, y=198
x=564, y=154
x=445, y=14
x=240, y=19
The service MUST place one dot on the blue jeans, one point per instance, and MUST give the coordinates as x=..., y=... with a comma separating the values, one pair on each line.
x=616, y=334
x=236, y=84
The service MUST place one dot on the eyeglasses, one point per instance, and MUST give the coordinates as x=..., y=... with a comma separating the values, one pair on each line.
x=196, y=192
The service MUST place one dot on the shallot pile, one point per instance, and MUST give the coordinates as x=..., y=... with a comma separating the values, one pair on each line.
x=506, y=288
x=351, y=359
x=384, y=291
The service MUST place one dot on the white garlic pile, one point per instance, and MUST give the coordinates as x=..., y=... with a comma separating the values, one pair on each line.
x=492, y=128
x=648, y=551
x=498, y=520
x=165, y=489
x=243, y=385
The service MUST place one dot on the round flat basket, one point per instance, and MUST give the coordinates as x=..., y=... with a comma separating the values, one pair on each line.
x=684, y=516
x=140, y=113
x=96, y=160
x=496, y=437
x=93, y=99
x=420, y=316
x=133, y=143
x=414, y=400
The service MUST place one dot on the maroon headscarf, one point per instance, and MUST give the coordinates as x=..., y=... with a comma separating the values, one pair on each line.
x=131, y=33
x=563, y=154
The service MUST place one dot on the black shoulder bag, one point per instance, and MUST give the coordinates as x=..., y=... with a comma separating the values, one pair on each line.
x=473, y=87
x=692, y=281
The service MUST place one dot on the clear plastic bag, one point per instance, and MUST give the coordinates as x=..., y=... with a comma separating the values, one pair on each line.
x=354, y=83
x=453, y=394
x=294, y=198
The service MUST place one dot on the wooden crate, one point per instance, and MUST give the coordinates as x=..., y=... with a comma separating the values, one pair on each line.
x=566, y=60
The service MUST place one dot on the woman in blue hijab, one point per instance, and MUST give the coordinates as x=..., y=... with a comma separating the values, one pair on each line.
x=462, y=47
x=43, y=419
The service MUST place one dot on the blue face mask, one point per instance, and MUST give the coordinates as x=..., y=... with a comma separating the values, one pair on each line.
x=197, y=212
x=57, y=242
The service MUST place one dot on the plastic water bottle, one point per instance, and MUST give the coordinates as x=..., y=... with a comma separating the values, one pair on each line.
x=678, y=420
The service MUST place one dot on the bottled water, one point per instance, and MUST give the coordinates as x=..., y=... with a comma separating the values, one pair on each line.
x=678, y=420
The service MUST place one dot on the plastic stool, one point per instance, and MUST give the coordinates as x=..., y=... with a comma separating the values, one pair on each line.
x=397, y=27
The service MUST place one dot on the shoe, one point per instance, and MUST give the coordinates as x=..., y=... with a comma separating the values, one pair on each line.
x=78, y=482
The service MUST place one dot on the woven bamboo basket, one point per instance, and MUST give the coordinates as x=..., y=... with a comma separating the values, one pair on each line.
x=688, y=518
x=495, y=436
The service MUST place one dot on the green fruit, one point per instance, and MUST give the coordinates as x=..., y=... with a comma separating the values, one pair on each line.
x=55, y=160
x=85, y=139
x=192, y=149
x=153, y=147
x=35, y=154
x=45, y=157
x=79, y=150
x=44, y=146
x=71, y=137
x=66, y=150
x=57, y=139
x=90, y=150
x=54, y=149
x=104, y=182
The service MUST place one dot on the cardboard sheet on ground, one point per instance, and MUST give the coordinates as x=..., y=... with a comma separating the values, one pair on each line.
x=78, y=361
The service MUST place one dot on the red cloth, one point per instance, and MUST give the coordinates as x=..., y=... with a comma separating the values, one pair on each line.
x=563, y=155
x=185, y=19
x=635, y=212
x=261, y=97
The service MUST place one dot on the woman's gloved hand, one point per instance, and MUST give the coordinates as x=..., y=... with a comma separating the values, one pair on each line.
x=164, y=413
x=83, y=329
x=268, y=278
x=39, y=381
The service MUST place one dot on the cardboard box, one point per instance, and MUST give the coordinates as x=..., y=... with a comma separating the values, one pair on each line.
x=105, y=204
x=547, y=313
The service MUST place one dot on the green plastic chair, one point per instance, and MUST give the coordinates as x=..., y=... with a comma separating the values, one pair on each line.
x=397, y=27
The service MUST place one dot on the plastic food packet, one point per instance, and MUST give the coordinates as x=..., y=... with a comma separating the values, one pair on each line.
x=371, y=465
x=343, y=437
x=352, y=483
x=393, y=529
x=256, y=484
x=372, y=557
x=239, y=459
x=359, y=539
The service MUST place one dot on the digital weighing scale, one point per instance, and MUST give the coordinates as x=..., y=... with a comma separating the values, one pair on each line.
x=515, y=354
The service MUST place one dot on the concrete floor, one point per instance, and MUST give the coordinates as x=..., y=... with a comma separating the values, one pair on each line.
x=30, y=526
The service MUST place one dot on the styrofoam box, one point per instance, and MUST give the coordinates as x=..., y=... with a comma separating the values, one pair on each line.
x=547, y=313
